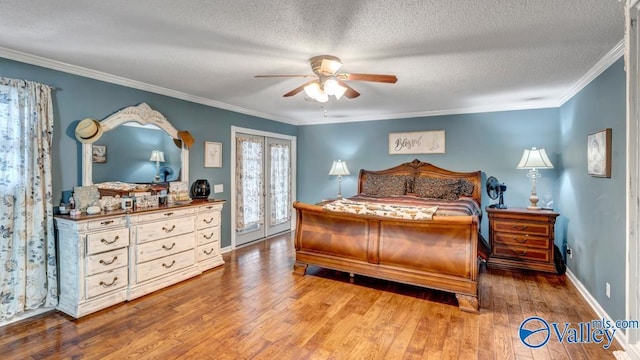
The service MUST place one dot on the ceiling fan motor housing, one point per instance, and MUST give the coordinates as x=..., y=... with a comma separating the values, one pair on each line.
x=325, y=65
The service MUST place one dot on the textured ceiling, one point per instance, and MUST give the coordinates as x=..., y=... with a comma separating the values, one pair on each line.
x=449, y=56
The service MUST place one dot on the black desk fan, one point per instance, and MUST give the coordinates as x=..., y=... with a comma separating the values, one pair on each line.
x=495, y=190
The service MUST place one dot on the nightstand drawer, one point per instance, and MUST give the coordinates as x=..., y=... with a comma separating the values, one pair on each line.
x=521, y=227
x=523, y=240
x=521, y=253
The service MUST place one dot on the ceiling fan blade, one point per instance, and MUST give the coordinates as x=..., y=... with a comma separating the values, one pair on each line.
x=285, y=76
x=391, y=79
x=350, y=93
x=298, y=89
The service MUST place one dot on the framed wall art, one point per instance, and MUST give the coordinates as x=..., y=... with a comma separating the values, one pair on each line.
x=99, y=153
x=599, y=154
x=417, y=142
x=212, y=154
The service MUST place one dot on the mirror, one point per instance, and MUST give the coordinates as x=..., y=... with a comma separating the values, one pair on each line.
x=123, y=152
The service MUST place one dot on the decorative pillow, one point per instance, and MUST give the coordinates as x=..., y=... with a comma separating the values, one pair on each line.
x=384, y=185
x=438, y=188
x=466, y=188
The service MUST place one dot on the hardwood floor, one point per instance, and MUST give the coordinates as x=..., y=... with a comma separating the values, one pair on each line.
x=254, y=307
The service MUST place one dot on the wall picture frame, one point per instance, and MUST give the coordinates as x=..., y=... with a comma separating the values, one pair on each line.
x=599, y=154
x=212, y=154
x=99, y=153
x=417, y=142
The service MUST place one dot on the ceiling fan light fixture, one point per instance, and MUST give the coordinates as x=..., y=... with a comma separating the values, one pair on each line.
x=322, y=97
x=312, y=90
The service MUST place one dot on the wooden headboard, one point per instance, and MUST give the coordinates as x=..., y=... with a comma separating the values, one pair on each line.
x=417, y=168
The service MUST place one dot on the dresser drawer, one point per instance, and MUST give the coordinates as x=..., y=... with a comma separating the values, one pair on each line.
x=208, y=251
x=107, y=223
x=208, y=219
x=523, y=240
x=107, y=281
x=107, y=261
x=521, y=227
x=162, y=215
x=208, y=235
x=107, y=240
x=164, y=229
x=521, y=253
x=159, y=248
x=165, y=265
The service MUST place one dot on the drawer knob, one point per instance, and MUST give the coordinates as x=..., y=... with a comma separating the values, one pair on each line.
x=106, y=222
x=105, y=241
x=168, y=214
x=521, y=253
x=167, y=229
x=208, y=237
x=208, y=252
x=103, y=262
x=170, y=265
x=209, y=207
x=520, y=227
x=102, y=283
x=170, y=247
x=208, y=221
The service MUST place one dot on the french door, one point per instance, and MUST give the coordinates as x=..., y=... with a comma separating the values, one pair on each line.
x=263, y=181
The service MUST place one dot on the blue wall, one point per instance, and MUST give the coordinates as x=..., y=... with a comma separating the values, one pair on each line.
x=490, y=142
x=77, y=97
x=594, y=208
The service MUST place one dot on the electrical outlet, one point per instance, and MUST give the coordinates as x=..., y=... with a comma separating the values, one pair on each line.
x=218, y=188
x=608, y=290
x=569, y=252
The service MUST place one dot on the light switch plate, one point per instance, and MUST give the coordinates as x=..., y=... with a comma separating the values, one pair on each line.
x=218, y=188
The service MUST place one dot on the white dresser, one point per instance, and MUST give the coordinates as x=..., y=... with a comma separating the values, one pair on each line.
x=106, y=259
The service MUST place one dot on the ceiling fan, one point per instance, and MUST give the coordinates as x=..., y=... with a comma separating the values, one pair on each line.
x=327, y=81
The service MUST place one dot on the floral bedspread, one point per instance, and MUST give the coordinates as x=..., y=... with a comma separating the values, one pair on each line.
x=404, y=207
x=381, y=209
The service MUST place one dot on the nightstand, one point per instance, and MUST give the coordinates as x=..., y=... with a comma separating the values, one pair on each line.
x=522, y=238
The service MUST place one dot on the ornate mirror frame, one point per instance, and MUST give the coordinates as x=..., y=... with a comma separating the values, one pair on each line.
x=142, y=114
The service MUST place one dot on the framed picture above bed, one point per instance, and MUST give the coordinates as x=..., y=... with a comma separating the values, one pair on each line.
x=417, y=142
x=599, y=154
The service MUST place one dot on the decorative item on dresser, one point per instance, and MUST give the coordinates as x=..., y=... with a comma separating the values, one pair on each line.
x=116, y=256
x=524, y=239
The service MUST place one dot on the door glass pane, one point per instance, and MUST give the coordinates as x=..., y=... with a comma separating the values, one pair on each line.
x=280, y=180
x=250, y=208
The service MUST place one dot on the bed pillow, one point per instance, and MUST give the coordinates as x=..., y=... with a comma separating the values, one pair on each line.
x=384, y=185
x=439, y=188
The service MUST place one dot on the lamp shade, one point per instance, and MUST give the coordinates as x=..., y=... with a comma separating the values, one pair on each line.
x=535, y=159
x=339, y=167
x=157, y=155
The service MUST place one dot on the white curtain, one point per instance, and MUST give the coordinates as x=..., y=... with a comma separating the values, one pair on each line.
x=280, y=183
x=28, y=278
x=249, y=193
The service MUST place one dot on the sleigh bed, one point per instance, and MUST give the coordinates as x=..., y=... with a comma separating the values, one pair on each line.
x=414, y=223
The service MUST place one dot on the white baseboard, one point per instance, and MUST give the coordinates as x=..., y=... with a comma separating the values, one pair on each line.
x=621, y=336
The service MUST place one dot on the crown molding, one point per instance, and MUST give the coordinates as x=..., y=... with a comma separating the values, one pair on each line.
x=611, y=57
x=118, y=80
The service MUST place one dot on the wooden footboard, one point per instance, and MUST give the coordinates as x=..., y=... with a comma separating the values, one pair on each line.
x=439, y=254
